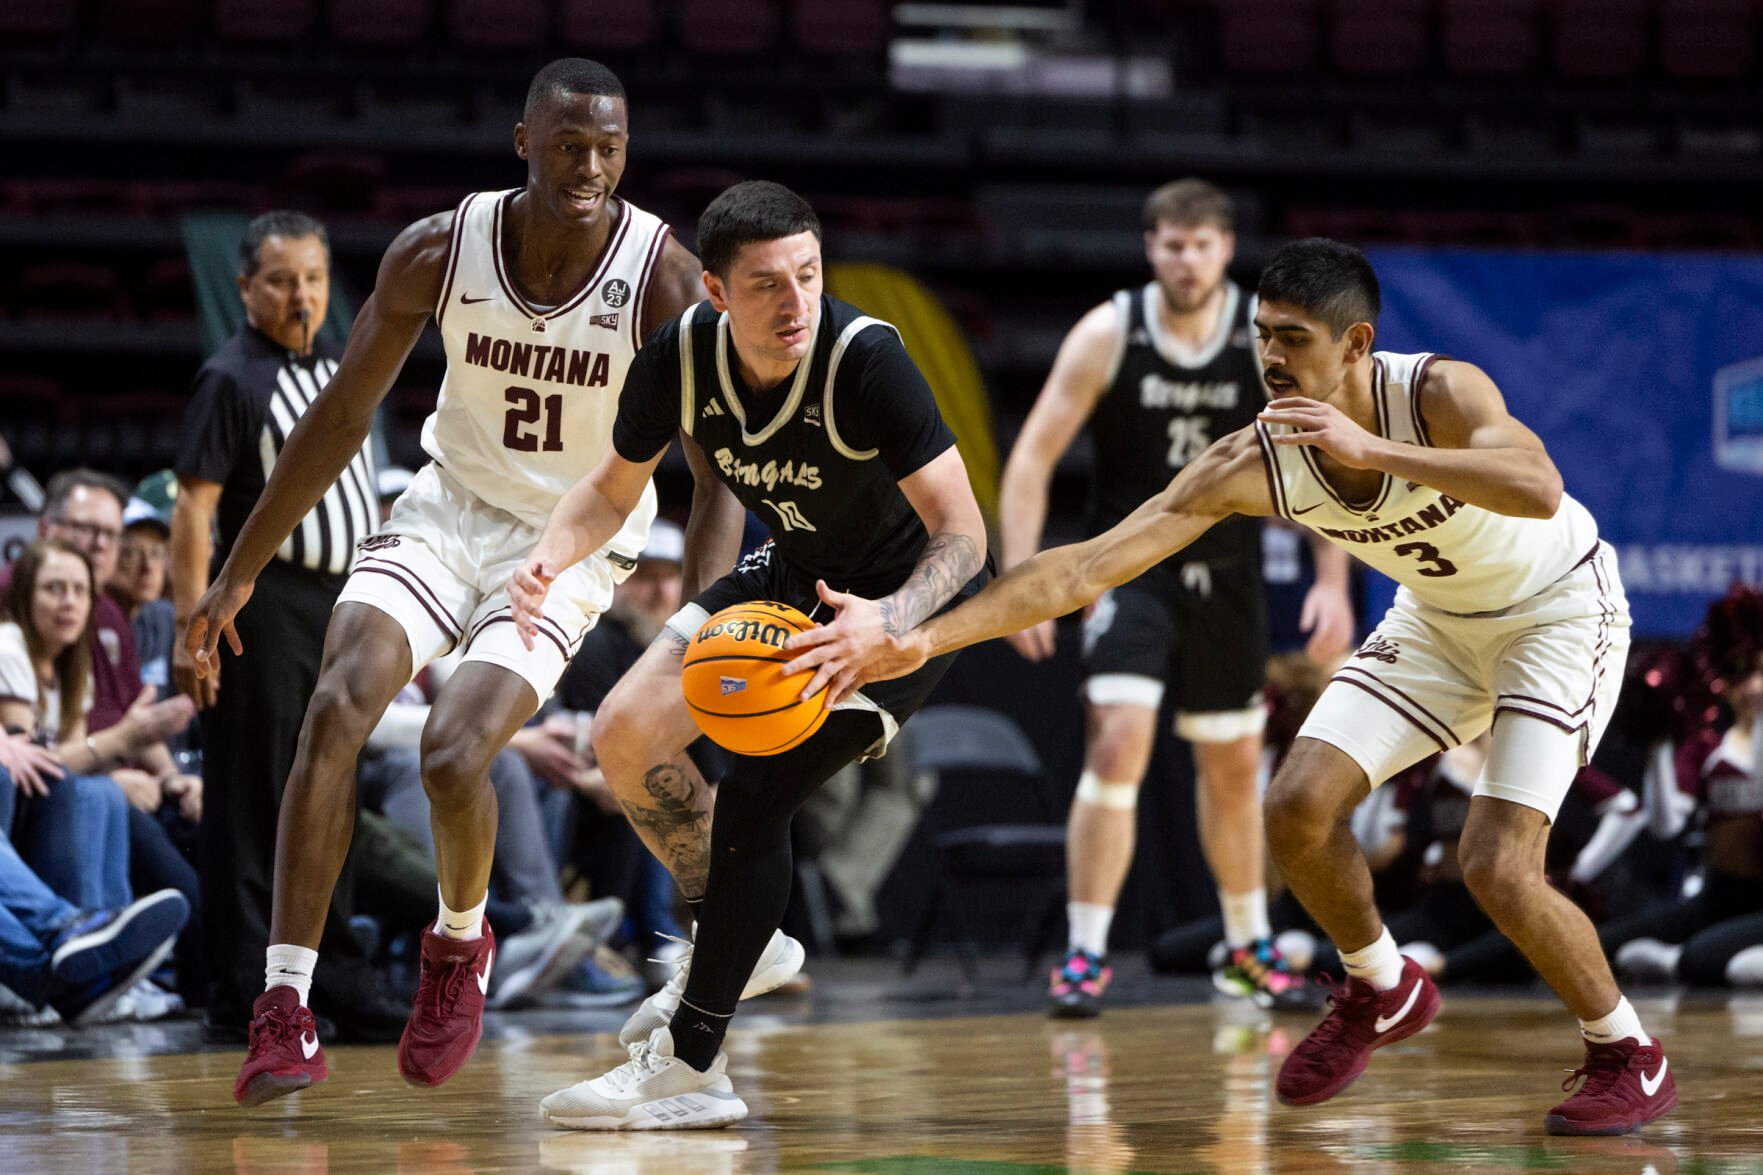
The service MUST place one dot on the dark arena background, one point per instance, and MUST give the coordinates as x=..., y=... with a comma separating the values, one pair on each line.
x=1566, y=193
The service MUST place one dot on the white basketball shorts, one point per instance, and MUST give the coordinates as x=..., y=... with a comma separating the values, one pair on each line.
x=1543, y=673
x=440, y=567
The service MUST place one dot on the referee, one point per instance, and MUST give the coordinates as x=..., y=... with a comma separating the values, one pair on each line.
x=244, y=402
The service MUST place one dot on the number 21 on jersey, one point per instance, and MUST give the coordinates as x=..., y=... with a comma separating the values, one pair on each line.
x=524, y=409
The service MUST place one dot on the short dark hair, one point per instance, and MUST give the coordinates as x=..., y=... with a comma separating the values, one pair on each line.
x=569, y=76
x=757, y=210
x=63, y=484
x=1331, y=281
x=1190, y=202
x=283, y=222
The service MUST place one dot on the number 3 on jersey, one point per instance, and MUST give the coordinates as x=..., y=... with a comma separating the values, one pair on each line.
x=525, y=408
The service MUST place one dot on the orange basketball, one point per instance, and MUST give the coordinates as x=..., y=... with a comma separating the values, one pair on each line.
x=734, y=684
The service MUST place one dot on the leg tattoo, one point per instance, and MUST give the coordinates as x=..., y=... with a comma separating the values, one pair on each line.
x=673, y=818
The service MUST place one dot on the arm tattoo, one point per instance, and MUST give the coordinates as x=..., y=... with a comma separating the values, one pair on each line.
x=677, y=644
x=673, y=818
x=949, y=560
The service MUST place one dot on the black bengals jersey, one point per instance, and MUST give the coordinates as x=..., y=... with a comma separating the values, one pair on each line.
x=819, y=458
x=1162, y=409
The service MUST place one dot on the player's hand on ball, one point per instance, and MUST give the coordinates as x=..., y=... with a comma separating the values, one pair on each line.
x=847, y=655
x=526, y=596
x=1322, y=426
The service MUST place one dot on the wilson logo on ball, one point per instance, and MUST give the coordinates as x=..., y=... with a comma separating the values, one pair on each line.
x=734, y=685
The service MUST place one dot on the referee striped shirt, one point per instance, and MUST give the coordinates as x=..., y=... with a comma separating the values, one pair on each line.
x=244, y=404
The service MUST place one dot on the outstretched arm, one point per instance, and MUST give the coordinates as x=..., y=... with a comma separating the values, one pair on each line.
x=1229, y=478
x=952, y=555
x=330, y=433
x=1480, y=453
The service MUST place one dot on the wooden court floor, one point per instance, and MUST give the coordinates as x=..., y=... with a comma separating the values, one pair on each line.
x=1151, y=1089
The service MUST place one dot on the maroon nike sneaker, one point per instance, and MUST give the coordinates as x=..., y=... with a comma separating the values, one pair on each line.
x=284, y=1051
x=448, y=1018
x=1627, y=1085
x=1360, y=1019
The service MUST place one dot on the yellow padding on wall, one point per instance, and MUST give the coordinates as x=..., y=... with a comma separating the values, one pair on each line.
x=937, y=346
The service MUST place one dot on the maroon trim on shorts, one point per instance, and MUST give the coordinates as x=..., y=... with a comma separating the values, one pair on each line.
x=489, y=620
x=440, y=621
x=416, y=584
x=1552, y=721
x=1418, y=725
x=1400, y=693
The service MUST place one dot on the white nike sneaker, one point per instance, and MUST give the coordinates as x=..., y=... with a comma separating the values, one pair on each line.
x=778, y=963
x=654, y=1090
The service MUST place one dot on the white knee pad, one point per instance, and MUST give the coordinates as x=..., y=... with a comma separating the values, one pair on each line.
x=1119, y=797
x=1745, y=969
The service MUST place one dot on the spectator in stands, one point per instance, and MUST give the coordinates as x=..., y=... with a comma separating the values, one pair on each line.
x=1714, y=782
x=139, y=585
x=79, y=962
x=83, y=508
x=80, y=834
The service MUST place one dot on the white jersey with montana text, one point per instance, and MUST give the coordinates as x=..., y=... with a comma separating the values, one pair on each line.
x=527, y=404
x=1445, y=553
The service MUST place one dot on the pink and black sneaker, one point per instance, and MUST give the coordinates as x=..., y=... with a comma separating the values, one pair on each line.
x=284, y=1051
x=1076, y=987
x=1259, y=973
x=1360, y=1019
x=448, y=1017
x=1627, y=1084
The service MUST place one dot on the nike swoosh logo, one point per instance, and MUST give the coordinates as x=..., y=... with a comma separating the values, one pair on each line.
x=309, y=1046
x=1306, y=509
x=483, y=979
x=468, y=300
x=1650, y=1085
x=1385, y=1023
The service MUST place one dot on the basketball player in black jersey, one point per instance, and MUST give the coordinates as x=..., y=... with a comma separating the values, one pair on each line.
x=1160, y=371
x=818, y=421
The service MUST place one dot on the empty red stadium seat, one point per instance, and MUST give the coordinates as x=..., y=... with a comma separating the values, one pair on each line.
x=1489, y=38
x=608, y=26
x=1707, y=40
x=498, y=26
x=380, y=24
x=71, y=289
x=147, y=22
x=727, y=28
x=1379, y=38
x=167, y=292
x=841, y=28
x=339, y=181
x=256, y=23
x=1599, y=40
x=33, y=19
x=1269, y=37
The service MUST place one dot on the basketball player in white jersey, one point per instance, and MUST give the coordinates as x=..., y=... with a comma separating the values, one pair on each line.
x=1510, y=615
x=1155, y=373
x=542, y=295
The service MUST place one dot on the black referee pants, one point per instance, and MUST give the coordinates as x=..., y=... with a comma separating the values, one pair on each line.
x=249, y=737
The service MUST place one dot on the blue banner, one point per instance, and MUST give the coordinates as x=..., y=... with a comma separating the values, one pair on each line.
x=1643, y=373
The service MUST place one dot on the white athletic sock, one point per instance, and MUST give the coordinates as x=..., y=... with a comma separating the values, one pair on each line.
x=290, y=966
x=1379, y=964
x=1245, y=917
x=466, y=924
x=1618, y=1025
x=1089, y=926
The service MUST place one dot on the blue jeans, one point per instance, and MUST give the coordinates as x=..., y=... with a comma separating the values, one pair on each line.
x=30, y=915
x=77, y=840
